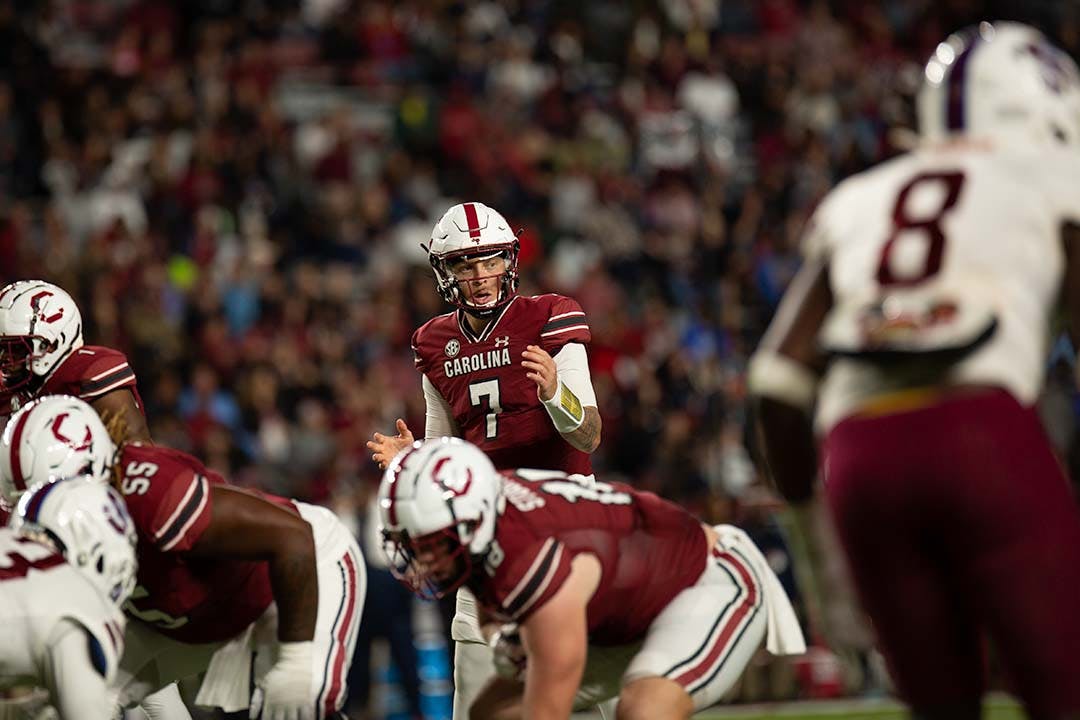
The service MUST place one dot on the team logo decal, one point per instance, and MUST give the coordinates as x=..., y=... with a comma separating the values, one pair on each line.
x=36, y=302
x=453, y=484
x=453, y=347
x=70, y=442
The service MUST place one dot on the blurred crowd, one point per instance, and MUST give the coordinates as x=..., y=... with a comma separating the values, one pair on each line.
x=236, y=191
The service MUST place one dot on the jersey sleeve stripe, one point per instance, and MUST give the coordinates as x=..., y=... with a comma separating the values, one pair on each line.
x=185, y=515
x=552, y=569
x=109, y=382
x=98, y=660
x=532, y=585
x=113, y=369
x=564, y=322
x=564, y=330
x=572, y=313
x=544, y=550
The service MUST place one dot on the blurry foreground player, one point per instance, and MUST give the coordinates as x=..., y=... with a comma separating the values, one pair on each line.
x=918, y=326
x=507, y=373
x=234, y=586
x=612, y=592
x=66, y=566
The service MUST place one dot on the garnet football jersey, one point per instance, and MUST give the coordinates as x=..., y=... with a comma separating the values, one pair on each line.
x=493, y=403
x=188, y=598
x=971, y=223
x=650, y=550
x=88, y=373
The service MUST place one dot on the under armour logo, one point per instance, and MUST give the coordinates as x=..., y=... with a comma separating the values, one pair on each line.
x=87, y=440
x=503, y=341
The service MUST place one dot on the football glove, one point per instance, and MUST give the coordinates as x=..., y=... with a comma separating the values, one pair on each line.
x=285, y=692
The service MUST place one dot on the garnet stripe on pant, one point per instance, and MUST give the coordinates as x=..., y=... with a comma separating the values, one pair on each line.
x=337, y=686
x=731, y=629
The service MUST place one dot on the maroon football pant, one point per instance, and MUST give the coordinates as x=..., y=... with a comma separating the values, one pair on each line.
x=957, y=519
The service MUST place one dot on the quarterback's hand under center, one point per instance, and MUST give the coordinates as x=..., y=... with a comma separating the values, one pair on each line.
x=385, y=447
x=540, y=368
x=509, y=653
x=285, y=692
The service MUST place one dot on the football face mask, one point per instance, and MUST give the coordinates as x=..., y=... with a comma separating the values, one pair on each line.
x=16, y=354
x=433, y=566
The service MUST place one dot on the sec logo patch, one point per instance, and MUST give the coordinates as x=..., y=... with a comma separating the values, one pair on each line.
x=453, y=347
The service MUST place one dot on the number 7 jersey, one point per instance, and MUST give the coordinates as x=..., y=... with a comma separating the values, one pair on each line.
x=493, y=403
x=975, y=225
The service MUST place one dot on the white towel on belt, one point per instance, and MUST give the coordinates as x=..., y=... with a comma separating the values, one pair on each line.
x=784, y=636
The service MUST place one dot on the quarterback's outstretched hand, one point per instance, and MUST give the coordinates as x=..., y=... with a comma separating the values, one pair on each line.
x=384, y=447
x=285, y=692
x=540, y=368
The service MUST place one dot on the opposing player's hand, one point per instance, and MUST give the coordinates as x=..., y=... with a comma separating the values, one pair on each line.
x=384, y=447
x=286, y=691
x=540, y=368
x=510, y=658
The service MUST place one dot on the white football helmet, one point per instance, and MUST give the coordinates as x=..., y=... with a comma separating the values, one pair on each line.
x=90, y=525
x=472, y=230
x=55, y=437
x=437, y=503
x=40, y=325
x=1003, y=81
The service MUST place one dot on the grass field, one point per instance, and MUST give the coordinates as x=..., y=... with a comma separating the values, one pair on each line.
x=997, y=707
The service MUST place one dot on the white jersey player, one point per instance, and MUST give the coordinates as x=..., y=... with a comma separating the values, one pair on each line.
x=915, y=265
x=925, y=304
x=66, y=567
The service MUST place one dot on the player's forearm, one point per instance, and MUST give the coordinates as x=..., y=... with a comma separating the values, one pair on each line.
x=294, y=581
x=77, y=689
x=550, y=695
x=787, y=442
x=587, y=436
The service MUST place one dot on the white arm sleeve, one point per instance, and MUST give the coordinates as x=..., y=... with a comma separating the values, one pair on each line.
x=572, y=364
x=78, y=689
x=438, y=418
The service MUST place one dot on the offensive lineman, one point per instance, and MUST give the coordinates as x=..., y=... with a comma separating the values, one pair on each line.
x=42, y=353
x=232, y=585
x=923, y=306
x=558, y=558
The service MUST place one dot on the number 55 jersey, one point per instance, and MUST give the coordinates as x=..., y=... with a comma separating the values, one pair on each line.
x=188, y=598
x=952, y=249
